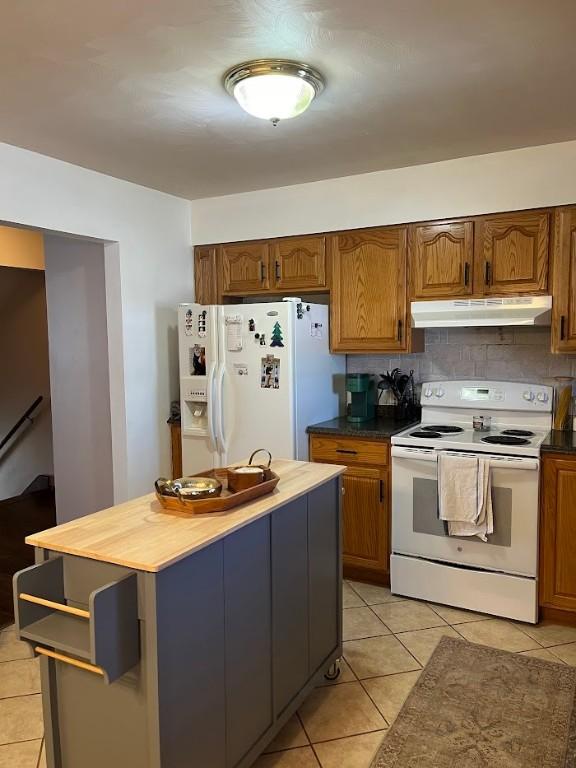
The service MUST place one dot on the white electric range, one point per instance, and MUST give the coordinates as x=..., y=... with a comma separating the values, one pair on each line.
x=498, y=576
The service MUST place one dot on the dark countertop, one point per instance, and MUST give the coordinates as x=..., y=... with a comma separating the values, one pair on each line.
x=380, y=428
x=559, y=442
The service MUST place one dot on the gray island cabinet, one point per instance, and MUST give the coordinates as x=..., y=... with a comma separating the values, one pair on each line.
x=184, y=642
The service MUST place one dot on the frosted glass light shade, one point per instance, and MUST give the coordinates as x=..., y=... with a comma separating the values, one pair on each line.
x=273, y=90
x=274, y=96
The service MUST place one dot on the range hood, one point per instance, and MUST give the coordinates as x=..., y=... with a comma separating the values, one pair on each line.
x=464, y=313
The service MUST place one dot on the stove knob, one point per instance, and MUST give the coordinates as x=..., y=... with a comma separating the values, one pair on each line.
x=542, y=397
x=427, y=392
x=440, y=392
x=528, y=395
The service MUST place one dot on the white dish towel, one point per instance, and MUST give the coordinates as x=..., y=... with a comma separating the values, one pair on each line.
x=465, y=495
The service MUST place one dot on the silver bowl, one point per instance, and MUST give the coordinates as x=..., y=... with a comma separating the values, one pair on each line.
x=189, y=488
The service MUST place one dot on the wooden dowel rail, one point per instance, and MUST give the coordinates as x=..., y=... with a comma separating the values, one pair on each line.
x=55, y=606
x=69, y=660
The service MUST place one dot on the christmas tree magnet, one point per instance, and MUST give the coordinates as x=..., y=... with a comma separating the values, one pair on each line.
x=276, y=336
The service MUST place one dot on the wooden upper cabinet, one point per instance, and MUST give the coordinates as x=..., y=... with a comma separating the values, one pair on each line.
x=245, y=267
x=512, y=253
x=558, y=533
x=368, y=307
x=205, y=275
x=299, y=263
x=564, y=291
x=441, y=259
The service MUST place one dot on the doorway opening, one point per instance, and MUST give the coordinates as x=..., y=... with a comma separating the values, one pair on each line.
x=56, y=459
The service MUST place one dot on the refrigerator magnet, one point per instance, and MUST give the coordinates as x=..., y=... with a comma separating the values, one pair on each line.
x=277, y=339
x=270, y=372
x=233, y=333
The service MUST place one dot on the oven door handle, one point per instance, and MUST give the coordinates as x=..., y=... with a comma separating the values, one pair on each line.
x=502, y=462
x=431, y=454
x=417, y=454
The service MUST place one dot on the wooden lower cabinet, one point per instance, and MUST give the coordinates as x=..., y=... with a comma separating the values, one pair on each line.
x=365, y=503
x=558, y=534
x=366, y=521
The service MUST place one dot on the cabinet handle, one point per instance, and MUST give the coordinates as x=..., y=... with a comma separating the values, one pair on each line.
x=400, y=329
x=487, y=273
x=55, y=606
x=69, y=660
x=262, y=272
x=381, y=491
x=346, y=450
x=277, y=270
x=562, y=327
x=466, y=273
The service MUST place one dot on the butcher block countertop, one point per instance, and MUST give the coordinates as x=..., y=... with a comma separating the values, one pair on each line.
x=139, y=534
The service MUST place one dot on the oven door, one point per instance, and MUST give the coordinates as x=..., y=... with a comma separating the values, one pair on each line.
x=417, y=530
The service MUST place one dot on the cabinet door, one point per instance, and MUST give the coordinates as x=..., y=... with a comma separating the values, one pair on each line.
x=325, y=573
x=248, y=627
x=289, y=601
x=366, y=520
x=564, y=292
x=245, y=267
x=205, y=274
x=558, y=533
x=300, y=263
x=368, y=308
x=441, y=259
x=512, y=253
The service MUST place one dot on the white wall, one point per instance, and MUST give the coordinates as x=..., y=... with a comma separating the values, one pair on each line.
x=79, y=376
x=23, y=376
x=149, y=271
x=523, y=178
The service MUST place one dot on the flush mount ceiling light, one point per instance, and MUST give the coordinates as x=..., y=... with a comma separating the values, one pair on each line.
x=273, y=89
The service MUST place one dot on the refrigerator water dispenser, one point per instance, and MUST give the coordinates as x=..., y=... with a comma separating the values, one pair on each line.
x=195, y=400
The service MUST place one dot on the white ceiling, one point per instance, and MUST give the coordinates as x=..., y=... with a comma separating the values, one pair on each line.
x=133, y=88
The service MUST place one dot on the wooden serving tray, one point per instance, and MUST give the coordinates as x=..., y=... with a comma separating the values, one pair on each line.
x=227, y=499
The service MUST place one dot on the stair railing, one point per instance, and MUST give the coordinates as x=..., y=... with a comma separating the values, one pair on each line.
x=26, y=416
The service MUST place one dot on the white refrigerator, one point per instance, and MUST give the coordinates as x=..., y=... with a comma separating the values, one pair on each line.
x=254, y=376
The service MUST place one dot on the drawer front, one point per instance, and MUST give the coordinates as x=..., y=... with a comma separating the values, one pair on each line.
x=349, y=450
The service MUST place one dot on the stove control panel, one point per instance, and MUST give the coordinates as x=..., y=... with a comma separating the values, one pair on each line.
x=481, y=394
x=429, y=392
x=491, y=395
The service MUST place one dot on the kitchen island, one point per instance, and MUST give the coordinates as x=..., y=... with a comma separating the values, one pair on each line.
x=171, y=641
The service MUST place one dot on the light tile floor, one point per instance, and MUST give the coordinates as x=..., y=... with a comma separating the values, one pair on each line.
x=387, y=641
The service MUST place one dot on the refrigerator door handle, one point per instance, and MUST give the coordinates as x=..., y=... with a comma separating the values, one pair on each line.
x=220, y=398
x=210, y=408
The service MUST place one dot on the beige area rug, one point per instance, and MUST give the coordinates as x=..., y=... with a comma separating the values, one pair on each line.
x=475, y=707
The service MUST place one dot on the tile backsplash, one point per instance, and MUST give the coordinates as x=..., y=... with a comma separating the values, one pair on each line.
x=507, y=354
